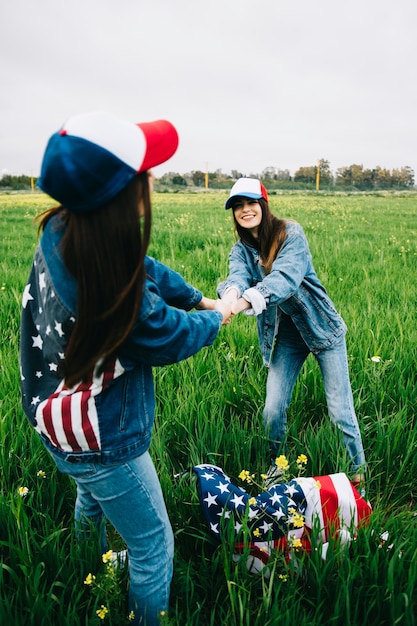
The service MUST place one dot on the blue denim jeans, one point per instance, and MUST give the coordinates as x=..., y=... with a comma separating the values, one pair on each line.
x=289, y=354
x=129, y=496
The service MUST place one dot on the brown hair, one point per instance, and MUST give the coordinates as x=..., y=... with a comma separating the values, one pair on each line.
x=271, y=235
x=105, y=252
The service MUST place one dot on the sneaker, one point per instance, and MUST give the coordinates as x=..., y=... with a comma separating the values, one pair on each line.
x=358, y=481
x=273, y=476
x=118, y=559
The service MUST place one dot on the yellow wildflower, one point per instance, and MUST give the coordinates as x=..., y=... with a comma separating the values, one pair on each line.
x=296, y=519
x=23, y=491
x=90, y=579
x=131, y=616
x=245, y=475
x=318, y=484
x=102, y=612
x=107, y=556
x=252, y=501
x=257, y=533
x=282, y=463
x=302, y=459
x=264, y=476
x=41, y=474
x=283, y=577
x=295, y=543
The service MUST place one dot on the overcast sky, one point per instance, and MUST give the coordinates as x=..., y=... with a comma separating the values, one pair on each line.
x=248, y=84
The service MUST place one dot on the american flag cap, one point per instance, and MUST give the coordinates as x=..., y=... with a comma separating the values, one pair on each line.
x=95, y=155
x=246, y=188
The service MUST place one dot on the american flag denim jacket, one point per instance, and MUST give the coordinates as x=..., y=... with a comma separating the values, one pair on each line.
x=108, y=418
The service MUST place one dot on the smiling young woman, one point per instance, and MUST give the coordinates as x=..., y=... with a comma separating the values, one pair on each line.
x=271, y=275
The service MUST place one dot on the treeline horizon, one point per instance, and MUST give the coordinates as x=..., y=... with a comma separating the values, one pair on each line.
x=350, y=178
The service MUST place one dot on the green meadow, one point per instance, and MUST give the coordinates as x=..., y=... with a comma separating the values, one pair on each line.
x=209, y=410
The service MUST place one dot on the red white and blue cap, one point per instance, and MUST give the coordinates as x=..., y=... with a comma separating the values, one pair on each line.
x=246, y=188
x=95, y=155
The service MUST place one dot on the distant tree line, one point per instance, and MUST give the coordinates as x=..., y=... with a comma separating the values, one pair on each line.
x=353, y=178
x=349, y=178
x=15, y=182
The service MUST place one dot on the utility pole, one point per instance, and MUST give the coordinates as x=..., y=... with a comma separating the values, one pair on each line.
x=318, y=176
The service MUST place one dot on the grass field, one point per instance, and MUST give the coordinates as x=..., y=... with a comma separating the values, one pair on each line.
x=209, y=409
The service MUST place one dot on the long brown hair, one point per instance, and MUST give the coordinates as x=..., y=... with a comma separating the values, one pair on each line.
x=105, y=251
x=271, y=235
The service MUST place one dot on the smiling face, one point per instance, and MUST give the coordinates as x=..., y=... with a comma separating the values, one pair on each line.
x=248, y=214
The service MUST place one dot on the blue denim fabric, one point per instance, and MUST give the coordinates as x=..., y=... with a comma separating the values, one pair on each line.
x=130, y=497
x=292, y=287
x=165, y=332
x=289, y=354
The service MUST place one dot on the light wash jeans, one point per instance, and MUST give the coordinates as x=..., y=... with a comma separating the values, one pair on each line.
x=129, y=496
x=289, y=354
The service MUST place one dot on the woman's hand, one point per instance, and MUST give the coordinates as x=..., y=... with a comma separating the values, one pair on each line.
x=207, y=304
x=230, y=295
x=225, y=309
x=240, y=305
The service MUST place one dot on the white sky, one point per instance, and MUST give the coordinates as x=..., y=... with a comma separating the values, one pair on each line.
x=248, y=83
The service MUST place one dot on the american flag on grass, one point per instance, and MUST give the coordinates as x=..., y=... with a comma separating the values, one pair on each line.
x=283, y=516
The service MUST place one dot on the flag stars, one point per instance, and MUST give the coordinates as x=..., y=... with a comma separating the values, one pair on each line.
x=266, y=527
x=211, y=499
x=48, y=330
x=275, y=498
x=58, y=328
x=37, y=342
x=207, y=476
x=38, y=374
x=42, y=283
x=291, y=489
x=26, y=296
x=222, y=487
x=237, y=500
x=53, y=367
x=35, y=400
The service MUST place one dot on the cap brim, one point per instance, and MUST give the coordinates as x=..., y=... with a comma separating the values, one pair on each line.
x=161, y=142
x=253, y=196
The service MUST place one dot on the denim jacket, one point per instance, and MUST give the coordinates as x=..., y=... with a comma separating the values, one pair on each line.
x=108, y=418
x=292, y=287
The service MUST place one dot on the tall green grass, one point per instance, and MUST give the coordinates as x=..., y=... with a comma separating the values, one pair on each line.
x=209, y=409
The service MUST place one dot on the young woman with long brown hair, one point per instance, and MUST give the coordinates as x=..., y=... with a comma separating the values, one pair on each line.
x=98, y=314
x=271, y=275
